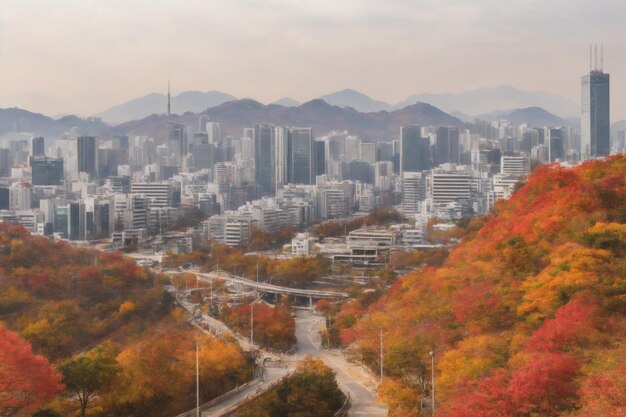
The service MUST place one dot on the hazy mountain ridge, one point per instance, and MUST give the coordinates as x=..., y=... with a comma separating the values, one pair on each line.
x=533, y=116
x=472, y=103
x=156, y=103
x=318, y=114
x=357, y=100
x=490, y=99
x=286, y=102
x=20, y=120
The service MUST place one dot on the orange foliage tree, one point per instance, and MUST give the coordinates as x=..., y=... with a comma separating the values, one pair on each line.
x=519, y=311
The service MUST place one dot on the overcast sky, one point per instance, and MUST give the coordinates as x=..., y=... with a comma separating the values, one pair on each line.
x=83, y=56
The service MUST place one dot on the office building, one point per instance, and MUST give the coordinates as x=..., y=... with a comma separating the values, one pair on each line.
x=556, y=144
x=514, y=166
x=160, y=194
x=414, y=150
x=177, y=144
x=213, y=131
x=320, y=159
x=264, y=159
x=595, y=122
x=450, y=186
x=447, y=145
x=87, y=155
x=413, y=192
x=46, y=171
x=302, y=158
x=37, y=146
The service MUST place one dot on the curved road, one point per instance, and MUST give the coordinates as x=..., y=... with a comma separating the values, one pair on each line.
x=352, y=379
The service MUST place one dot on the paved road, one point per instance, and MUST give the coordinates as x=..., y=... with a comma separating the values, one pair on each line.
x=352, y=379
x=252, y=390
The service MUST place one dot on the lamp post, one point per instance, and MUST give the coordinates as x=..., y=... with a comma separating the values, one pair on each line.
x=432, y=364
x=257, y=278
x=381, y=354
x=197, y=381
x=252, y=324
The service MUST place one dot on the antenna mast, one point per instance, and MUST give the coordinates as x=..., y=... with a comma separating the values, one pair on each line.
x=168, y=99
x=602, y=57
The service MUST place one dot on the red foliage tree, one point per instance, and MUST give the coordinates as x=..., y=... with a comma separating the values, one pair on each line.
x=26, y=380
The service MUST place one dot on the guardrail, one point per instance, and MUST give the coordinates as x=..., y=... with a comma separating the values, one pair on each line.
x=262, y=390
x=345, y=408
x=216, y=400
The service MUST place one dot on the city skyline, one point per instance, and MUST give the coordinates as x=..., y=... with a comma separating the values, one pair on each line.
x=273, y=49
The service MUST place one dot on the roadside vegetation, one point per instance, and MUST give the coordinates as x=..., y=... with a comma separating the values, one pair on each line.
x=91, y=333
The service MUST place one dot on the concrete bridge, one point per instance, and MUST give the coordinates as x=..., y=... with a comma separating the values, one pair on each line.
x=271, y=288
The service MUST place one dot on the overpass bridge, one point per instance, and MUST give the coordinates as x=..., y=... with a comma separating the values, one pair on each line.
x=271, y=288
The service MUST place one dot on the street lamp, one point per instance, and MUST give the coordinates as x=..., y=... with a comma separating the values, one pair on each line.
x=257, y=278
x=252, y=324
x=197, y=381
x=381, y=354
x=432, y=364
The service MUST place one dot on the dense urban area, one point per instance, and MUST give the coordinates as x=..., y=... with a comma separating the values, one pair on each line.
x=314, y=260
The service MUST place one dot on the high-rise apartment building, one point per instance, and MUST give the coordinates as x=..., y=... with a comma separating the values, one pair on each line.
x=595, y=122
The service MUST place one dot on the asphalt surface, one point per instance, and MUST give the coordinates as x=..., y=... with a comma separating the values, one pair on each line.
x=352, y=379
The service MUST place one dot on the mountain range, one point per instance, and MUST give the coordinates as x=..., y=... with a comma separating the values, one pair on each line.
x=139, y=108
x=237, y=114
x=472, y=103
x=318, y=114
x=533, y=116
x=19, y=120
x=501, y=98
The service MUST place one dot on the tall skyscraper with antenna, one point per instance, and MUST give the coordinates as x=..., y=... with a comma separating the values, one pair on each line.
x=595, y=122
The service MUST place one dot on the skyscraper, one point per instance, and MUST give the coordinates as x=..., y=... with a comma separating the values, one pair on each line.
x=302, y=156
x=320, y=158
x=280, y=147
x=595, y=120
x=87, y=155
x=177, y=143
x=37, y=146
x=264, y=155
x=556, y=144
x=448, y=149
x=414, y=150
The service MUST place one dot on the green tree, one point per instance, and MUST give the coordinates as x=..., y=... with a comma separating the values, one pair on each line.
x=86, y=375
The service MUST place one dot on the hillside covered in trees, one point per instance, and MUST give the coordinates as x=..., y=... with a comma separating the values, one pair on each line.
x=118, y=343
x=526, y=317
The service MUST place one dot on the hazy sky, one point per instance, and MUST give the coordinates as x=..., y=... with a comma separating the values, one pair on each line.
x=82, y=56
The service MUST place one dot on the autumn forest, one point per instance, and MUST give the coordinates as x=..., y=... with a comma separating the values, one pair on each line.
x=525, y=317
